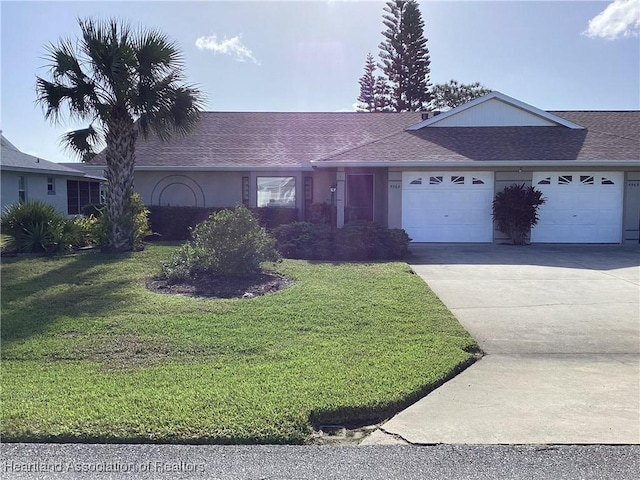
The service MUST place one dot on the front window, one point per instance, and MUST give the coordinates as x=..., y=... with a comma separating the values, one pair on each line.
x=276, y=192
x=80, y=194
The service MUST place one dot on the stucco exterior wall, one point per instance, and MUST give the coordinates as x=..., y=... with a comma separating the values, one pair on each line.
x=190, y=189
x=36, y=189
x=631, y=212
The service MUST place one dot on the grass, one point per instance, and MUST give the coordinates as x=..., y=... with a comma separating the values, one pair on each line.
x=89, y=354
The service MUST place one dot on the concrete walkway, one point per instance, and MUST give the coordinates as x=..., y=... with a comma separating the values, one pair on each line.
x=560, y=327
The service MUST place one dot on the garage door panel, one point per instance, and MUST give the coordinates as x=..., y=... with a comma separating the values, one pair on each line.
x=447, y=206
x=581, y=207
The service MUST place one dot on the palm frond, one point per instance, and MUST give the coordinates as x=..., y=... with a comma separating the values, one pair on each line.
x=83, y=142
x=107, y=46
x=177, y=112
x=155, y=54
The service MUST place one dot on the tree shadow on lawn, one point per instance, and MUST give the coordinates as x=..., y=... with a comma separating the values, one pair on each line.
x=28, y=312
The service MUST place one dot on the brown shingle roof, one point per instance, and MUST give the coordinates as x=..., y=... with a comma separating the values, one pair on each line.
x=268, y=139
x=607, y=136
x=252, y=139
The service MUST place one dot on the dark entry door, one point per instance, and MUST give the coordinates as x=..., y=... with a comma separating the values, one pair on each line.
x=359, y=197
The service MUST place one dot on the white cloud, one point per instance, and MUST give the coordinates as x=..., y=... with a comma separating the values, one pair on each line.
x=228, y=46
x=620, y=18
x=354, y=108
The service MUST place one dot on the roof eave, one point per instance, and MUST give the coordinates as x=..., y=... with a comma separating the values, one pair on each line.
x=478, y=163
x=216, y=168
x=44, y=171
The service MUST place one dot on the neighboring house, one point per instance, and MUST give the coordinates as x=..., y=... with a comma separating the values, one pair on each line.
x=25, y=177
x=433, y=175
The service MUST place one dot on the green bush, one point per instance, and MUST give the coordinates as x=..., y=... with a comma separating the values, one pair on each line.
x=361, y=240
x=304, y=240
x=515, y=211
x=140, y=220
x=94, y=209
x=176, y=223
x=37, y=227
x=93, y=230
x=228, y=243
x=358, y=240
x=322, y=213
x=272, y=217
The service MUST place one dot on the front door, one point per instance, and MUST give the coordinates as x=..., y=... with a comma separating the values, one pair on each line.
x=359, y=197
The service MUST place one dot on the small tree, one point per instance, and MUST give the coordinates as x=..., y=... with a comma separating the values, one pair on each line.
x=515, y=210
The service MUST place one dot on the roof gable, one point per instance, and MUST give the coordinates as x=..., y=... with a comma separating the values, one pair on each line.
x=495, y=110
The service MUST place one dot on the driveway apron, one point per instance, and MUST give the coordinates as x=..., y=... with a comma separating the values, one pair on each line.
x=560, y=329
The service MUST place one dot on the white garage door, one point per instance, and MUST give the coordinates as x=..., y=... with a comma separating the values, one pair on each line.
x=447, y=206
x=581, y=207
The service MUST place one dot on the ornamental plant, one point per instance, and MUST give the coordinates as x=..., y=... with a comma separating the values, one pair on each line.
x=515, y=211
x=229, y=243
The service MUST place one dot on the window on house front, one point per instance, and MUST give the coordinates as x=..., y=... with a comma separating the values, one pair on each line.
x=81, y=194
x=22, y=189
x=276, y=192
x=51, y=186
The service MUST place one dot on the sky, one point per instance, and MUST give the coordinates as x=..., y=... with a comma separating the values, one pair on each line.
x=308, y=55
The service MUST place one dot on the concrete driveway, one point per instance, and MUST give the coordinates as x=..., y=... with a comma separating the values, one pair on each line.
x=560, y=328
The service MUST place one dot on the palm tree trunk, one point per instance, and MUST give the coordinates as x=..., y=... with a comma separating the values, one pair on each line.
x=120, y=156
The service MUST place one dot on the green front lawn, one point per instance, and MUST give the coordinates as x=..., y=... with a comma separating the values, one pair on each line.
x=88, y=353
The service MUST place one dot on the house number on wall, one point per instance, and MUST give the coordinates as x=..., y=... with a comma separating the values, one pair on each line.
x=633, y=184
x=398, y=186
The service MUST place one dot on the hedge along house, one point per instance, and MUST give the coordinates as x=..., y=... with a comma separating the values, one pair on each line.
x=25, y=177
x=433, y=175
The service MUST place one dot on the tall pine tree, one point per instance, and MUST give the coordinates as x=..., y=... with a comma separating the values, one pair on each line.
x=368, y=85
x=374, y=92
x=404, y=56
x=445, y=96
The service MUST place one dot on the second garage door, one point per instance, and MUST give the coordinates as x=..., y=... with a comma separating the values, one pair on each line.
x=447, y=206
x=581, y=207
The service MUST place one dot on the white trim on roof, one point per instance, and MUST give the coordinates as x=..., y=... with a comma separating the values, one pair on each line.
x=627, y=164
x=503, y=98
x=215, y=168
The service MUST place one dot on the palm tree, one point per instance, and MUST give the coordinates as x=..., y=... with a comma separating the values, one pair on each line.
x=123, y=83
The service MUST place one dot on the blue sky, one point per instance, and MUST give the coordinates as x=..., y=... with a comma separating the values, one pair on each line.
x=308, y=55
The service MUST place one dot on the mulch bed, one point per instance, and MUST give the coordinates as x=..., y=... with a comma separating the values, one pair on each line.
x=222, y=287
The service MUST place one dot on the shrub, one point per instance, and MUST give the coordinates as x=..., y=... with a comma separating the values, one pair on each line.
x=94, y=209
x=304, y=240
x=321, y=213
x=176, y=223
x=37, y=227
x=358, y=240
x=228, y=243
x=140, y=217
x=515, y=210
x=365, y=240
x=272, y=217
x=92, y=230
